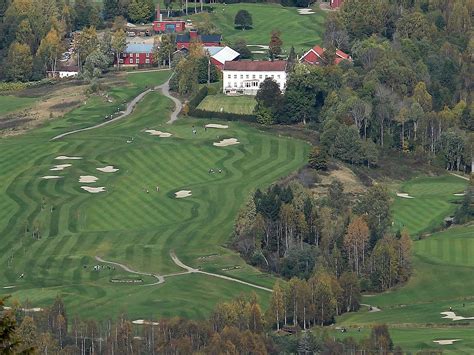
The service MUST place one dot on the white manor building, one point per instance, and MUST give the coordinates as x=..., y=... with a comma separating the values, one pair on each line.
x=245, y=77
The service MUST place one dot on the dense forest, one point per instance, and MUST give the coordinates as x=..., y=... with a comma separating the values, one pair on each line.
x=235, y=327
x=408, y=88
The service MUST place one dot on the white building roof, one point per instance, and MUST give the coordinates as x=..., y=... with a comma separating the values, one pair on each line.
x=226, y=54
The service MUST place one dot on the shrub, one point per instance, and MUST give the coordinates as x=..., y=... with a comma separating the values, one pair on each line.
x=318, y=159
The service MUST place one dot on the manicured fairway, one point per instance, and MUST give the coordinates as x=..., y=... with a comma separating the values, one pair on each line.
x=432, y=201
x=301, y=31
x=10, y=103
x=443, y=274
x=232, y=104
x=126, y=224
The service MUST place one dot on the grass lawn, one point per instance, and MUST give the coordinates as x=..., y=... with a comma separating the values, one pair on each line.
x=300, y=31
x=11, y=103
x=126, y=224
x=443, y=265
x=232, y=104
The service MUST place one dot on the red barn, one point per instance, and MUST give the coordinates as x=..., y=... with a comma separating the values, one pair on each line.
x=183, y=41
x=137, y=55
x=168, y=26
x=316, y=55
x=335, y=4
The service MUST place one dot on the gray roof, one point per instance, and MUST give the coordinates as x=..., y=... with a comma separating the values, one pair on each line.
x=139, y=48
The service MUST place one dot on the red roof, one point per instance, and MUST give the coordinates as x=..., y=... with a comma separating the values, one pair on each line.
x=315, y=54
x=256, y=65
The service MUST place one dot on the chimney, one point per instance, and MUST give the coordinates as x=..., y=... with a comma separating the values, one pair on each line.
x=193, y=34
x=159, y=16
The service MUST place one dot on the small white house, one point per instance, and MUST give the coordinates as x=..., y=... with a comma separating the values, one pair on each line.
x=64, y=72
x=245, y=77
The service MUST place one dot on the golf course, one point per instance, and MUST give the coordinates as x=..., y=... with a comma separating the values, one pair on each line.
x=442, y=274
x=137, y=194
x=303, y=31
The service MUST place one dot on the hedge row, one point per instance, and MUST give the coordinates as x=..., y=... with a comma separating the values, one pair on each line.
x=226, y=116
x=10, y=86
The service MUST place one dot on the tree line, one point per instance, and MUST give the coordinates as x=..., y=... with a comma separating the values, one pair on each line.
x=409, y=87
x=238, y=326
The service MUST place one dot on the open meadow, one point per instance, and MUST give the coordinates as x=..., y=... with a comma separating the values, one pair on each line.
x=301, y=31
x=10, y=103
x=442, y=278
x=53, y=228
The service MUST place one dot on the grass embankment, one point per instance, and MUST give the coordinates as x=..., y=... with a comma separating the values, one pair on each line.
x=443, y=267
x=243, y=105
x=125, y=224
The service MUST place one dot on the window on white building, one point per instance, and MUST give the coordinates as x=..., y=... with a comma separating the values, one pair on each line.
x=260, y=76
x=235, y=76
x=241, y=76
x=253, y=76
x=235, y=84
x=229, y=76
x=278, y=76
x=246, y=76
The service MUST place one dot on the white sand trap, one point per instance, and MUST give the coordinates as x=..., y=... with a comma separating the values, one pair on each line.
x=50, y=177
x=88, y=178
x=446, y=341
x=9, y=286
x=215, y=125
x=158, y=133
x=259, y=52
x=460, y=194
x=305, y=11
x=453, y=316
x=60, y=167
x=142, y=322
x=93, y=190
x=404, y=195
x=65, y=157
x=108, y=169
x=36, y=309
x=226, y=142
x=183, y=193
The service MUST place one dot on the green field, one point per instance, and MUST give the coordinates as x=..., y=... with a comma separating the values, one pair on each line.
x=232, y=104
x=301, y=31
x=431, y=202
x=125, y=224
x=10, y=103
x=443, y=265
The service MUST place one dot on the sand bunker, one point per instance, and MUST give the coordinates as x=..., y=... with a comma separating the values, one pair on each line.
x=142, y=321
x=108, y=169
x=60, y=167
x=214, y=125
x=460, y=194
x=183, y=193
x=453, y=316
x=226, y=142
x=404, y=195
x=9, y=286
x=36, y=309
x=65, y=157
x=50, y=177
x=305, y=11
x=88, y=178
x=93, y=190
x=445, y=341
x=158, y=133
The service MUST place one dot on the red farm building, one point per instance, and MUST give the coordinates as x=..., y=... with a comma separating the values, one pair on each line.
x=183, y=41
x=137, y=55
x=335, y=4
x=167, y=26
x=315, y=56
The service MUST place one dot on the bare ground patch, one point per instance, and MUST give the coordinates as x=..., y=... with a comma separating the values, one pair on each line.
x=352, y=184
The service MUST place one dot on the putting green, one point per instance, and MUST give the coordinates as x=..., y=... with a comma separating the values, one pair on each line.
x=125, y=223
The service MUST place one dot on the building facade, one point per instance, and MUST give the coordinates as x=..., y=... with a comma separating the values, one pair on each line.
x=336, y=3
x=137, y=55
x=315, y=56
x=245, y=77
x=169, y=26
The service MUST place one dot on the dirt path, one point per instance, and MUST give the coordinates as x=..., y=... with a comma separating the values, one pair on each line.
x=160, y=279
x=460, y=176
x=196, y=271
x=165, y=89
